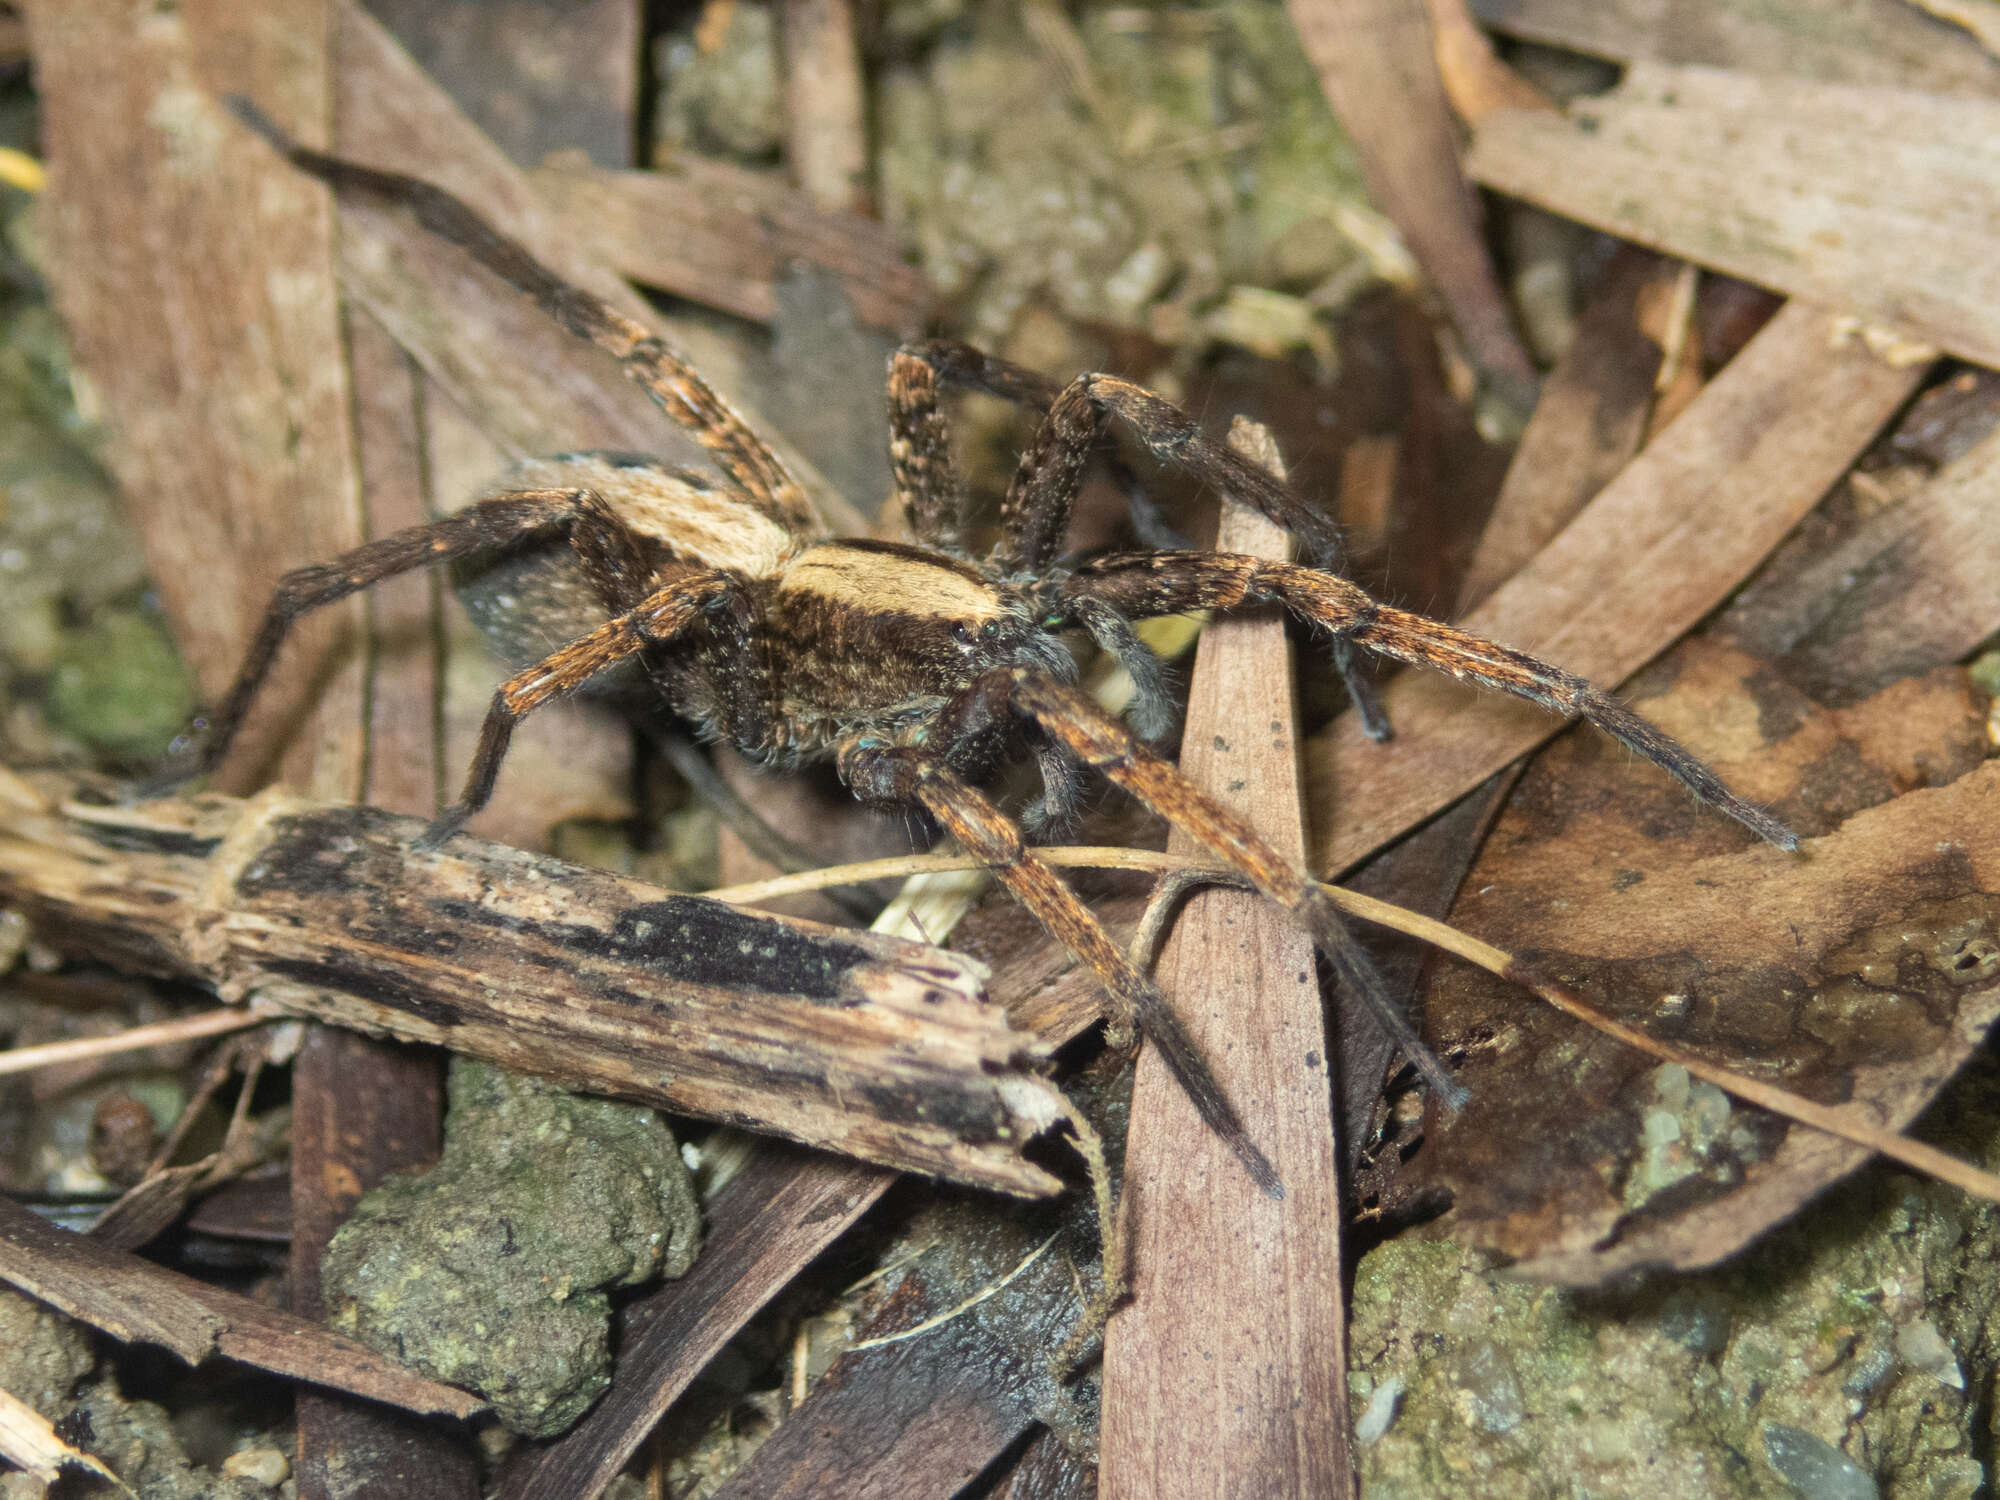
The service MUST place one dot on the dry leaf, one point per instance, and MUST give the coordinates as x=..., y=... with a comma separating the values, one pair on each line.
x=1822, y=191
x=1835, y=41
x=1866, y=969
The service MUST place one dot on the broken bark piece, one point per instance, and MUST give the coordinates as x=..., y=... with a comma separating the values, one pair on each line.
x=855, y=1043
x=135, y=1301
x=1659, y=547
x=1812, y=189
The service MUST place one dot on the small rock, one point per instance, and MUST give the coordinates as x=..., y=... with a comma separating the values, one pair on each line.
x=1491, y=1393
x=1814, y=1467
x=265, y=1466
x=489, y=1271
x=1380, y=1412
x=1923, y=1348
x=120, y=687
x=1697, y=1319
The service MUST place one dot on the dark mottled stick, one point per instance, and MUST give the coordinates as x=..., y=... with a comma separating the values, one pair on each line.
x=869, y=1046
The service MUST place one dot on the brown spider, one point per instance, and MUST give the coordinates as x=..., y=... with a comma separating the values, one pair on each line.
x=921, y=671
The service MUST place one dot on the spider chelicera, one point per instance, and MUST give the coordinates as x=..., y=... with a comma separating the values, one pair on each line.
x=921, y=671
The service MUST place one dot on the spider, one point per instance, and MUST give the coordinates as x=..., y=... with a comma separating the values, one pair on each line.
x=921, y=671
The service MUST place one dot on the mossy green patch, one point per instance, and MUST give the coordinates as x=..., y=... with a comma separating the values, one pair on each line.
x=119, y=686
x=1862, y=1335
x=489, y=1270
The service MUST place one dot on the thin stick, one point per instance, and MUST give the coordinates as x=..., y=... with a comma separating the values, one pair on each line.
x=186, y=1029
x=1068, y=856
x=1845, y=1121
x=964, y=1307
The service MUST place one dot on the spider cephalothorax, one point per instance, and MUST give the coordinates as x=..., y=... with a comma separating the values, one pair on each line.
x=919, y=671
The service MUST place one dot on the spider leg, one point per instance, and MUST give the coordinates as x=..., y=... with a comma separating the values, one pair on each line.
x=1152, y=710
x=1035, y=514
x=494, y=522
x=1104, y=743
x=1055, y=813
x=953, y=363
x=891, y=775
x=1142, y=584
x=920, y=455
x=664, y=618
x=622, y=578
x=920, y=440
x=654, y=365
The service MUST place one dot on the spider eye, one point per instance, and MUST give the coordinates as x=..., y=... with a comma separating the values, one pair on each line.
x=992, y=629
x=961, y=632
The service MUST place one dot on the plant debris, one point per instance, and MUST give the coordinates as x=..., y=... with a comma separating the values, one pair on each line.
x=1768, y=517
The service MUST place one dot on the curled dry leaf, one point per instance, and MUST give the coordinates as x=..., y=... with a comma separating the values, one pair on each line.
x=1865, y=970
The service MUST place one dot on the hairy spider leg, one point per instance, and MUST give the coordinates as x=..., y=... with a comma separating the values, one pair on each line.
x=649, y=361
x=593, y=530
x=1035, y=513
x=618, y=572
x=886, y=774
x=1152, y=710
x=926, y=479
x=1103, y=742
x=927, y=486
x=1156, y=583
x=716, y=598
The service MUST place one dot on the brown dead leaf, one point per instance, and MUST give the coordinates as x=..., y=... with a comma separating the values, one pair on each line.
x=1864, y=970
x=1816, y=190
x=1837, y=41
x=1378, y=66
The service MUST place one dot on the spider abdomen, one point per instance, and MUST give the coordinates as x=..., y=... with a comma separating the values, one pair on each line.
x=534, y=595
